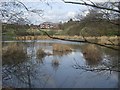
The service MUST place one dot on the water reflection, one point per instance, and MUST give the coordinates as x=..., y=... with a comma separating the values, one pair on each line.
x=111, y=58
x=57, y=53
x=55, y=64
x=23, y=75
x=18, y=66
x=30, y=73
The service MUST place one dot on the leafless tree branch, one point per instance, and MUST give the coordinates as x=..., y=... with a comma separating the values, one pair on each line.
x=79, y=41
x=94, y=69
x=92, y=5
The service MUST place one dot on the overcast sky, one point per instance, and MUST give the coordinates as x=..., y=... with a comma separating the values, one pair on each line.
x=54, y=12
x=57, y=11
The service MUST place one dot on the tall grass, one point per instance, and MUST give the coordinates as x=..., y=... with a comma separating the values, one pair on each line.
x=100, y=39
x=61, y=48
x=13, y=54
x=40, y=53
x=92, y=55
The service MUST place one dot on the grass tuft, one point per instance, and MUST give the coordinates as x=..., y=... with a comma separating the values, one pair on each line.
x=40, y=53
x=13, y=53
x=61, y=48
x=92, y=54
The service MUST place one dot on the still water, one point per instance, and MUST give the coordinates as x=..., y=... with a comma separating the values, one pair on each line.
x=57, y=69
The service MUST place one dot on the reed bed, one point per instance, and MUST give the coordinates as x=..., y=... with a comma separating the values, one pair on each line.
x=109, y=40
x=92, y=54
x=40, y=53
x=61, y=48
x=32, y=37
x=13, y=54
x=102, y=39
x=105, y=40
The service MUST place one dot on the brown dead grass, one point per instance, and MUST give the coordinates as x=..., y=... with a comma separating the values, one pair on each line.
x=92, y=54
x=61, y=48
x=101, y=40
x=13, y=53
x=40, y=53
x=109, y=40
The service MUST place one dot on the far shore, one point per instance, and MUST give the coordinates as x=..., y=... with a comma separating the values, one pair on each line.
x=100, y=39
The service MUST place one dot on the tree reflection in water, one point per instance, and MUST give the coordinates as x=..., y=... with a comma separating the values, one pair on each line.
x=19, y=66
x=28, y=73
x=14, y=58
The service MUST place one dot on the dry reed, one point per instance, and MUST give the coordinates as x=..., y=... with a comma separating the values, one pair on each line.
x=13, y=53
x=61, y=48
x=92, y=54
x=40, y=53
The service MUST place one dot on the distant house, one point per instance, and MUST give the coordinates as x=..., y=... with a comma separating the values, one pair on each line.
x=49, y=25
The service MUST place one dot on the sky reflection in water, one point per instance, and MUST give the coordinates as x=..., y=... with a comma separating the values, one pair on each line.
x=42, y=74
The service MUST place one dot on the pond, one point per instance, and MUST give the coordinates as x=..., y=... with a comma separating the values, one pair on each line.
x=74, y=68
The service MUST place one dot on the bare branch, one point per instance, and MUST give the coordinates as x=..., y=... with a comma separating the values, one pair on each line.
x=23, y=5
x=79, y=41
x=93, y=5
x=95, y=69
x=91, y=2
